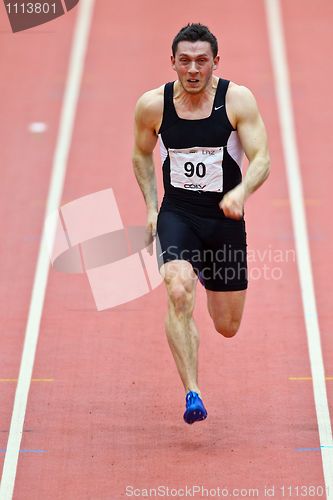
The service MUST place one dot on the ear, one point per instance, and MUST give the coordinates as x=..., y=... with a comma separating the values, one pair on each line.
x=173, y=62
x=216, y=62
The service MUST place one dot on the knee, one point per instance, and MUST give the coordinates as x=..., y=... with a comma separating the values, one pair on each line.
x=228, y=329
x=180, y=281
x=180, y=296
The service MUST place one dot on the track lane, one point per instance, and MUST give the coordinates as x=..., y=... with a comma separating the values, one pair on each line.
x=313, y=105
x=30, y=90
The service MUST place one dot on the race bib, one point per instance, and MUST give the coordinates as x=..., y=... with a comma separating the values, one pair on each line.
x=197, y=169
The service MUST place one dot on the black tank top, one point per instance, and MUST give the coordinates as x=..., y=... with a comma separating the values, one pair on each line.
x=201, y=158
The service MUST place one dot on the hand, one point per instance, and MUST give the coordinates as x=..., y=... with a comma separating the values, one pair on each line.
x=233, y=201
x=150, y=230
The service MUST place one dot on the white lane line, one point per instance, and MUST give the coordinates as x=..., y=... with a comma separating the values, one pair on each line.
x=291, y=159
x=66, y=125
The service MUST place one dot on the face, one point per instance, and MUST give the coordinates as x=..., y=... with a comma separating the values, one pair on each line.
x=194, y=64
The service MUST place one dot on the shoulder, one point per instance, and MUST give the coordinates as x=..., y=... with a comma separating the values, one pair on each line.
x=241, y=102
x=149, y=107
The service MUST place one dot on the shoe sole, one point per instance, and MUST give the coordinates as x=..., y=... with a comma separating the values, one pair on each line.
x=192, y=416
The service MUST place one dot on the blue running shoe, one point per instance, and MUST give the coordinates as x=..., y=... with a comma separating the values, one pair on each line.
x=195, y=409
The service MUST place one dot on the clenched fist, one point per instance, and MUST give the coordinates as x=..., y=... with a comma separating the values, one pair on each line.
x=233, y=201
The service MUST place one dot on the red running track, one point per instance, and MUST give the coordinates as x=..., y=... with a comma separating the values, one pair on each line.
x=112, y=416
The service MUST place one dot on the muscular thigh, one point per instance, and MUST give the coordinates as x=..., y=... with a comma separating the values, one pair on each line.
x=177, y=241
x=225, y=264
x=226, y=308
x=216, y=248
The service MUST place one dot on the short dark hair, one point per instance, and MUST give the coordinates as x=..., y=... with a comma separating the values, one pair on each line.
x=192, y=33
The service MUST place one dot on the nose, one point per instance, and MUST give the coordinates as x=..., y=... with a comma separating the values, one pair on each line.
x=193, y=67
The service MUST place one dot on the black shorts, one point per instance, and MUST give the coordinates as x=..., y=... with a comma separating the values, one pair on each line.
x=216, y=248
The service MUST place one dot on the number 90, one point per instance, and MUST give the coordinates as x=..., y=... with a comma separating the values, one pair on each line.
x=199, y=169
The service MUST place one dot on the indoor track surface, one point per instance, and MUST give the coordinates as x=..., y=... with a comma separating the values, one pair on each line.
x=96, y=411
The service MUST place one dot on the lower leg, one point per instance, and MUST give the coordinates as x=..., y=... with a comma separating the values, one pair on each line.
x=183, y=339
x=182, y=334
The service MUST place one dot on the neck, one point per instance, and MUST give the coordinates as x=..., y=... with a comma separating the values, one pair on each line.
x=180, y=94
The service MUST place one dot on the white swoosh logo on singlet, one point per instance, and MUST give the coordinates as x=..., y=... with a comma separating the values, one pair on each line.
x=219, y=107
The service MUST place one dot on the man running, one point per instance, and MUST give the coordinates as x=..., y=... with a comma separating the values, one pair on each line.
x=204, y=123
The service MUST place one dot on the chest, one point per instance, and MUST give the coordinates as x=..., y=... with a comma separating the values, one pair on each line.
x=187, y=112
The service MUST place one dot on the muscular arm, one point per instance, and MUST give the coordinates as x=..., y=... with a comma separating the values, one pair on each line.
x=252, y=134
x=146, y=117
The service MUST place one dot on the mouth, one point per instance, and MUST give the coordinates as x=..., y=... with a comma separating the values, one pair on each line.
x=193, y=80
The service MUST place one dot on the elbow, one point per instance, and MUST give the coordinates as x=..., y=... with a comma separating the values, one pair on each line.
x=266, y=167
x=138, y=157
